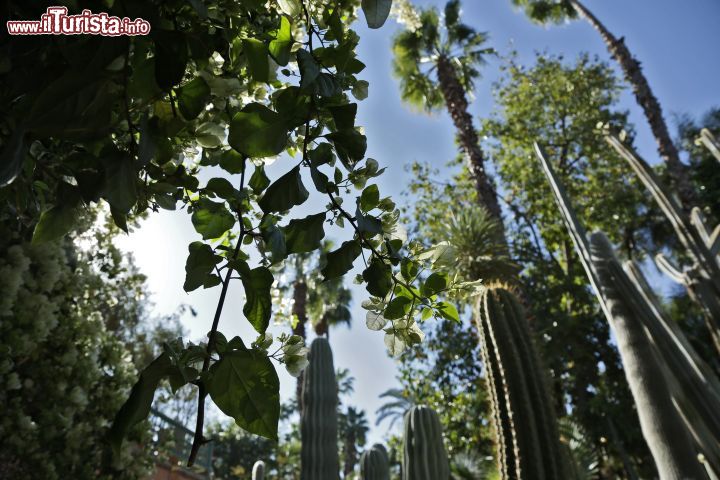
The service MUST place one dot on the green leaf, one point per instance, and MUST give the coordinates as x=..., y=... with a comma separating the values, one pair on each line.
x=193, y=97
x=120, y=219
x=340, y=261
x=199, y=265
x=257, y=57
x=344, y=115
x=291, y=7
x=447, y=310
x=258, y=307
x=222, y=188
x=378, y=277
x=212, y=219
x=408, y=269
x=309, y=69
x=259, y=181
x=327, y=86
x=350, y=146
x=232, y=161
x=320, y=180
x=137, y=406
x=282, y=42
x=397, y=308
x=360, y=89
x=321, y=155
x=210, y=135
x=434, y=284
x=336, y=26
x=286, y=192
x=368, y=223
x=245, y=386
x=120, y=177
x=376, y=12
x=293, y=104
x=257, y=131
x=305, y=234
x=54, y=223
x=73, y=107
x=154, y=144
x=369, y=198
x=274, y=240
x=171, y=58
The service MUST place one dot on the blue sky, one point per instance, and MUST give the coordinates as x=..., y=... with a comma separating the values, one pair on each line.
x=678, y=44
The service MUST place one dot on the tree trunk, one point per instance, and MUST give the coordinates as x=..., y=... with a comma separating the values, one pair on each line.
x=649, y=103
x=457, y=106
x=300, y=310
x=350, y=455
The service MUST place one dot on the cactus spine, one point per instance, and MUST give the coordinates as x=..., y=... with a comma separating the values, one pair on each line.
x=526, y=428
x=258, y=471
x=374, y=464
x=318, y=419
x=424, y=453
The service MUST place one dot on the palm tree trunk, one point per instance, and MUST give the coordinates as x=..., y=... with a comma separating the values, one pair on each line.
x=300, y=310
x=457, y=106
x=350, y=454
x=649, y=103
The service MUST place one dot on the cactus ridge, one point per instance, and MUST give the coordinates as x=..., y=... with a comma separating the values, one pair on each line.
x=318, y=423
x=424, y=452
x=525, y=424
x=374, y=464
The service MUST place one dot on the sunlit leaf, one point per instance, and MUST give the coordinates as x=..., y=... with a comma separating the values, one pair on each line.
x=257, y=309
x=257, y=131
x=245, y=386
x=193, y=97
x=212, y=219
x=282, y=42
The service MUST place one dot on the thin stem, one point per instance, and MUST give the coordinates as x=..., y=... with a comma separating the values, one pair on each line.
x=199, y=439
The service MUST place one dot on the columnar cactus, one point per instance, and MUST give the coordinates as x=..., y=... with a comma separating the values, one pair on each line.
x=702, y=244
x=651, y=345
x=258, y=471
x=318, y=417
x=525, y=425
x=424, y=453
x=374, y=464
x=662, y=427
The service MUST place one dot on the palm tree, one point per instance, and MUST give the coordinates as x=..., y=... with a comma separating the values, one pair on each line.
x=394, y=409
x=438, y=65
x=353, y=428
x=329, y=305
x=556, y=11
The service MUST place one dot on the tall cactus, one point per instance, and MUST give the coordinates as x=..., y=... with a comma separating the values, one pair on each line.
x=525, y=425
x=424, y=453
x=374, y=464
x=702, y=278
x=662, y=427
x=318, y=417
x=258, y=471
x=652, y=347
